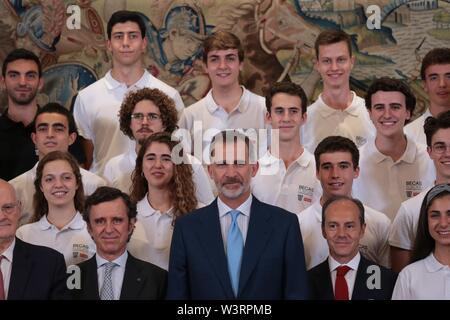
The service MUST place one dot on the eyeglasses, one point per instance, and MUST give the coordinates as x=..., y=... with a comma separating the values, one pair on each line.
x=440, y=147
x=9, y=207
x=151, y=117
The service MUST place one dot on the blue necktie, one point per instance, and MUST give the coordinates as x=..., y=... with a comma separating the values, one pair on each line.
x=235, y=247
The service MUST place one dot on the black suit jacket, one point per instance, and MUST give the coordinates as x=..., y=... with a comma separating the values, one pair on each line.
x=273, y=261
x=322, y=287
x=141, y=281
x=37, y=273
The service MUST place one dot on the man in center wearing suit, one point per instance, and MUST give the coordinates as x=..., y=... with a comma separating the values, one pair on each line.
x=113, y=273
x=346, y=274
x=237, y=247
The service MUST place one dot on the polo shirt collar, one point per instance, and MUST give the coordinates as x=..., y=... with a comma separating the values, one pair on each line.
x=408, y=156
x=326, y=111
x=242, y=106
x=432, y=265
x=269, y=159
x=144, y=81
x=146, y=210
x=77, y=223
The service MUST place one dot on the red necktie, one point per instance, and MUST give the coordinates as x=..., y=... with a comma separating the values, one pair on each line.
x=2, y=289
x=341, y=288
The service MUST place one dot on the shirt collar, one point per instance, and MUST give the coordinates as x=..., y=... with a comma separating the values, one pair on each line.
x=269, y=159
x=326, y=111
x=244, y=208
x=77, y=223
x=242, y=106
x=408, y=156
x=432, y=264
x=353, y=264
x=8, y=253
x=146, y=210
x=144, y=81
x=120, y=261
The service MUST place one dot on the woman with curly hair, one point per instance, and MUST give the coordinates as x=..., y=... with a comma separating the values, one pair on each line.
x=164, y=190
x=58, y=200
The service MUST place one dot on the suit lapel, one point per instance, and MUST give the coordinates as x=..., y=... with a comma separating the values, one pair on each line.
x=211, y=240
x=258, y=234
x=90, y=283
x=324, y=281
x=20, y=271
x=360, y=288
x=133, y=280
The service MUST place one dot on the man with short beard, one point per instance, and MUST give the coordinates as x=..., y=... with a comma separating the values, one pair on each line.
x=21, y=79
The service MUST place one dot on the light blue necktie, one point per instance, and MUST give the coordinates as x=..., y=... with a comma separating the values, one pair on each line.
x=235, y=247
x=107, y=292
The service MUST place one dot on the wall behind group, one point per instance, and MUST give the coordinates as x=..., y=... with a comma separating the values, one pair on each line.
x=278, y=39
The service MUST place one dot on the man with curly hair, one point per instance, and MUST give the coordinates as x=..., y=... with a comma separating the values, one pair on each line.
x=143, y=113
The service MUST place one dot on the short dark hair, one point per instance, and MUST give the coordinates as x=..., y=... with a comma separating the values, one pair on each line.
x=434, y=56
x=391, y=85
x=236, y=136
x=331, y=37
x=123, y=16
x=333, y=199
x=222, y=40
x=19, y=54
x=106, y=194
x=432, y=125
x=289, y=88
x=54, y=107
x=166, y=106
x=333, y=144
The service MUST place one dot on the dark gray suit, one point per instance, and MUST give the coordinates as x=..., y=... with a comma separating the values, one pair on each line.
x=141, y=281
x=322, y=287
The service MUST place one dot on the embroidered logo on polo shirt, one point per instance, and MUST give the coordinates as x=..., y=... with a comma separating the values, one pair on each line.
x=413, y=188
x=80, y=250
x=305, y=193
x=360, y=141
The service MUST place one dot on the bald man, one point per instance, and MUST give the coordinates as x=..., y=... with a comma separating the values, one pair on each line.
x=27, y=272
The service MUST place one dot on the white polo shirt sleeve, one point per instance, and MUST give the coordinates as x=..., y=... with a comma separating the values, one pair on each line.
x=80, y=115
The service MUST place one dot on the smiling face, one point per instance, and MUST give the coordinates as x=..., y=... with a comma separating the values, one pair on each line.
x=52, y=133
x=440, y=154
x=144, y=128
x=439, y=221
x=286, y=116
x=336, y=174
x=223, y=67
x=343, y=230
x=437, y=85
x=22, y=81
x=157, y=165
x=110, y=228
x=388, y=113
x=58, y=183
x=126, y=44
x=334, y=64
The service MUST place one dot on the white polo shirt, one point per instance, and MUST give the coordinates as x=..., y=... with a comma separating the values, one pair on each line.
x=404, y=226
x=426, y=279
x=384, y=184
x=212, y=118
x=415, y=129
x=324, y=121
x=293, y=189
x=373, y=246
x=96, y=112
x=24, y=186
x=73, y=240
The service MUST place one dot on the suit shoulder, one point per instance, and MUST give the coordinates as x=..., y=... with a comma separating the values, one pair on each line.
x=319, y=269
x=385, y=272
x=148, y=267
x=39, y=251
x=195, y=215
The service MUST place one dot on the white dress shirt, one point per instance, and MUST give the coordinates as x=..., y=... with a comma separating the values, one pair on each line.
x=350, y=276
x=6, y=265
x=242, y=220
x=117, y=273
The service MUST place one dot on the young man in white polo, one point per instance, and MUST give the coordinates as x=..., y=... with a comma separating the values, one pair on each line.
x=337, y=161
x=338, y=111
x=404, y=226
x=393, y=167
x=287, y=172
x=228, y=105
x=96, y=106
x=435, y=74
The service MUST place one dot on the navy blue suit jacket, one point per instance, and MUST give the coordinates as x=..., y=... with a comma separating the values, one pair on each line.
x=273, y=262
x=37, y=273
x=322, y=288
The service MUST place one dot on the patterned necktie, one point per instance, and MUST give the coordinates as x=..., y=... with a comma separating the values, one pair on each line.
x=341, y=288
x=2, y=289
x=107, y=292
x=235, y=247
